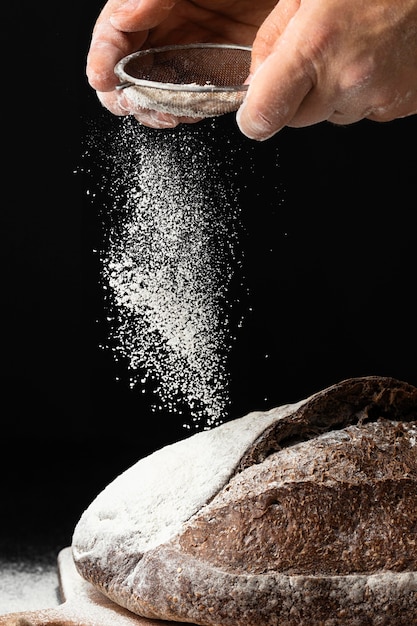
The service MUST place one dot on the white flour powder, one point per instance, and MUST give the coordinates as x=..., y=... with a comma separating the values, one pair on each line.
x=26, y=586
x=173, y=249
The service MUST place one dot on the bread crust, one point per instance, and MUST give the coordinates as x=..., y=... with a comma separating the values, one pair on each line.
x=315, y=524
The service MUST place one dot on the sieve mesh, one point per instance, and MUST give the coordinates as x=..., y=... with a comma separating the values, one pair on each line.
x=194, y=80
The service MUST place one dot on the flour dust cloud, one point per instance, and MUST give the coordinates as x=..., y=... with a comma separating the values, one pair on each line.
x=172, y=228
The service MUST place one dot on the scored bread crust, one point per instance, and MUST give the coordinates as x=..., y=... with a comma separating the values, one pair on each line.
x=312, y=521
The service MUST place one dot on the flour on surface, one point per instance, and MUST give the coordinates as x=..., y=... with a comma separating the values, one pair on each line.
x=172, y=251
x=27, y=586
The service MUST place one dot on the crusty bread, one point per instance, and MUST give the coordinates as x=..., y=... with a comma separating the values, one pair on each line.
x=303, y=515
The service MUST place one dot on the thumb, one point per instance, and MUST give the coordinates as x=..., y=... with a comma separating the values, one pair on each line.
x=276, y=90
x=282, y=75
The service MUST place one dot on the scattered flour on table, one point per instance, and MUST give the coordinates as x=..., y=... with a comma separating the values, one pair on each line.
x=26, y=586
x=172, y=251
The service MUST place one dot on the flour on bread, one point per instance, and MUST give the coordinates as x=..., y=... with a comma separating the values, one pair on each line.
x=149, y=502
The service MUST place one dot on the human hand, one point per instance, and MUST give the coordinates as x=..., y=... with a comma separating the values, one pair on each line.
x=125, y=27
x=336, y=60
x=313, y=60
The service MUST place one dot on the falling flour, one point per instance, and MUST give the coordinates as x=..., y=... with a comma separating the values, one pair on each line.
x=172, y=251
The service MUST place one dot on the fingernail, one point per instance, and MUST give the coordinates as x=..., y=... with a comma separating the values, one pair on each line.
x=243, y=125
x=240, y=112
x=253, y=128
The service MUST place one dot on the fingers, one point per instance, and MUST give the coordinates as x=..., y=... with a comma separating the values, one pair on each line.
x=108, y=46
x=118, y=104
x=289, y=89
x=154, y=119
x=311, y=61
x=111, y=101
x=277, y=89
x=281, y=77
x=321, y=64
x=121, y=28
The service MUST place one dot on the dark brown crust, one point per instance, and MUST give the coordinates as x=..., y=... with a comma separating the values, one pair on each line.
x=357, y=490
x=352, y=401
x=182, y=588
x=327, y=540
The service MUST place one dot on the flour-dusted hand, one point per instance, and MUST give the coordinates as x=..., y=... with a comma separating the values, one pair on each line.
x=125, y=27
x=336, y=60
x=313, y=60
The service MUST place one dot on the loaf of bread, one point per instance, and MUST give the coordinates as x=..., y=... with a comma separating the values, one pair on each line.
x=302, y=515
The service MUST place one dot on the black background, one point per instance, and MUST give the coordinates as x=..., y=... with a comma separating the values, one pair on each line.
x=334, y=299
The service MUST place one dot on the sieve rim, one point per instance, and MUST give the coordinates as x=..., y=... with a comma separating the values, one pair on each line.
x=130, y=81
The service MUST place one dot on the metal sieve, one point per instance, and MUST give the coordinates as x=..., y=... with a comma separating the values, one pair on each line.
x=194, y=80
